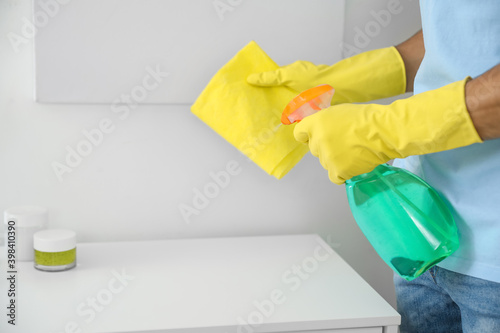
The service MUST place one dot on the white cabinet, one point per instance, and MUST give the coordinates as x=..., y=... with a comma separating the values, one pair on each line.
x=293, y=283
x=348, y=330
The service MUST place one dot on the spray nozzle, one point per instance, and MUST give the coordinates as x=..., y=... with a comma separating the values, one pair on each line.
x=306, y=103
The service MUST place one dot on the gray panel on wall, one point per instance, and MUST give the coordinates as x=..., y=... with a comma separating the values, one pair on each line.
x=97, y=51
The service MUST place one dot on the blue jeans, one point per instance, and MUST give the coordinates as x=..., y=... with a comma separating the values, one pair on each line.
x=444, y=301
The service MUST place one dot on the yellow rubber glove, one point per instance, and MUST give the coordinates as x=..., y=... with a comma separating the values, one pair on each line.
x=364, y=77
x=352, y=139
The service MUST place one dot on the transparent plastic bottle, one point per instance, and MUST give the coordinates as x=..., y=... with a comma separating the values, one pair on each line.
x=404, y=218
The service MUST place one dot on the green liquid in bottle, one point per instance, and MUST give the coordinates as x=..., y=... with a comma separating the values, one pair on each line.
x=404, y=219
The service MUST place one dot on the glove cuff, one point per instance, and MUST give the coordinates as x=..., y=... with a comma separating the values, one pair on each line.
x=369, y=76
x=439, y=121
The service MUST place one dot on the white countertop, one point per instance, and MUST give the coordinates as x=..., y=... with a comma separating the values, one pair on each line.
x=258, y=284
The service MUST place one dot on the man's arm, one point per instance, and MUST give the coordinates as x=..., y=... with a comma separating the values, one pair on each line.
x=412, y=51
x=482, y=96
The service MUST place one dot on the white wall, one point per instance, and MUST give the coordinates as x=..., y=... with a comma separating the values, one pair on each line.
x=131, y=185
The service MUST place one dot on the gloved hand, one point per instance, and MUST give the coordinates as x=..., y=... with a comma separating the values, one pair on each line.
x=352, y=139
x=364, y=77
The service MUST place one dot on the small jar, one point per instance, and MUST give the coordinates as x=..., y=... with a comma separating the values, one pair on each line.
x=21, y=223
x=55, y=250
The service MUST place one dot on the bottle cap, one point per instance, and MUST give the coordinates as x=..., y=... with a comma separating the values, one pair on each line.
x=54, y=240
x=27, y=216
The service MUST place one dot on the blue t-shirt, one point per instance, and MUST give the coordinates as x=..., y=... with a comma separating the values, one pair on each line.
x=462, y=38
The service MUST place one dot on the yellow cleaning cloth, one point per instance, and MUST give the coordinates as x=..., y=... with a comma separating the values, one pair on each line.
x=248, y=116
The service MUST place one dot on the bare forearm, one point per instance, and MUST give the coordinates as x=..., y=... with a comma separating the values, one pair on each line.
x=482, y=96
x=412, y=51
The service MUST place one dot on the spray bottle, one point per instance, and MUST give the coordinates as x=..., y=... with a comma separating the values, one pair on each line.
x=404, y=218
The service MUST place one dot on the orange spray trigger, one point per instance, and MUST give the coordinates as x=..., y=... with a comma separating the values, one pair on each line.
x=306, y=103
